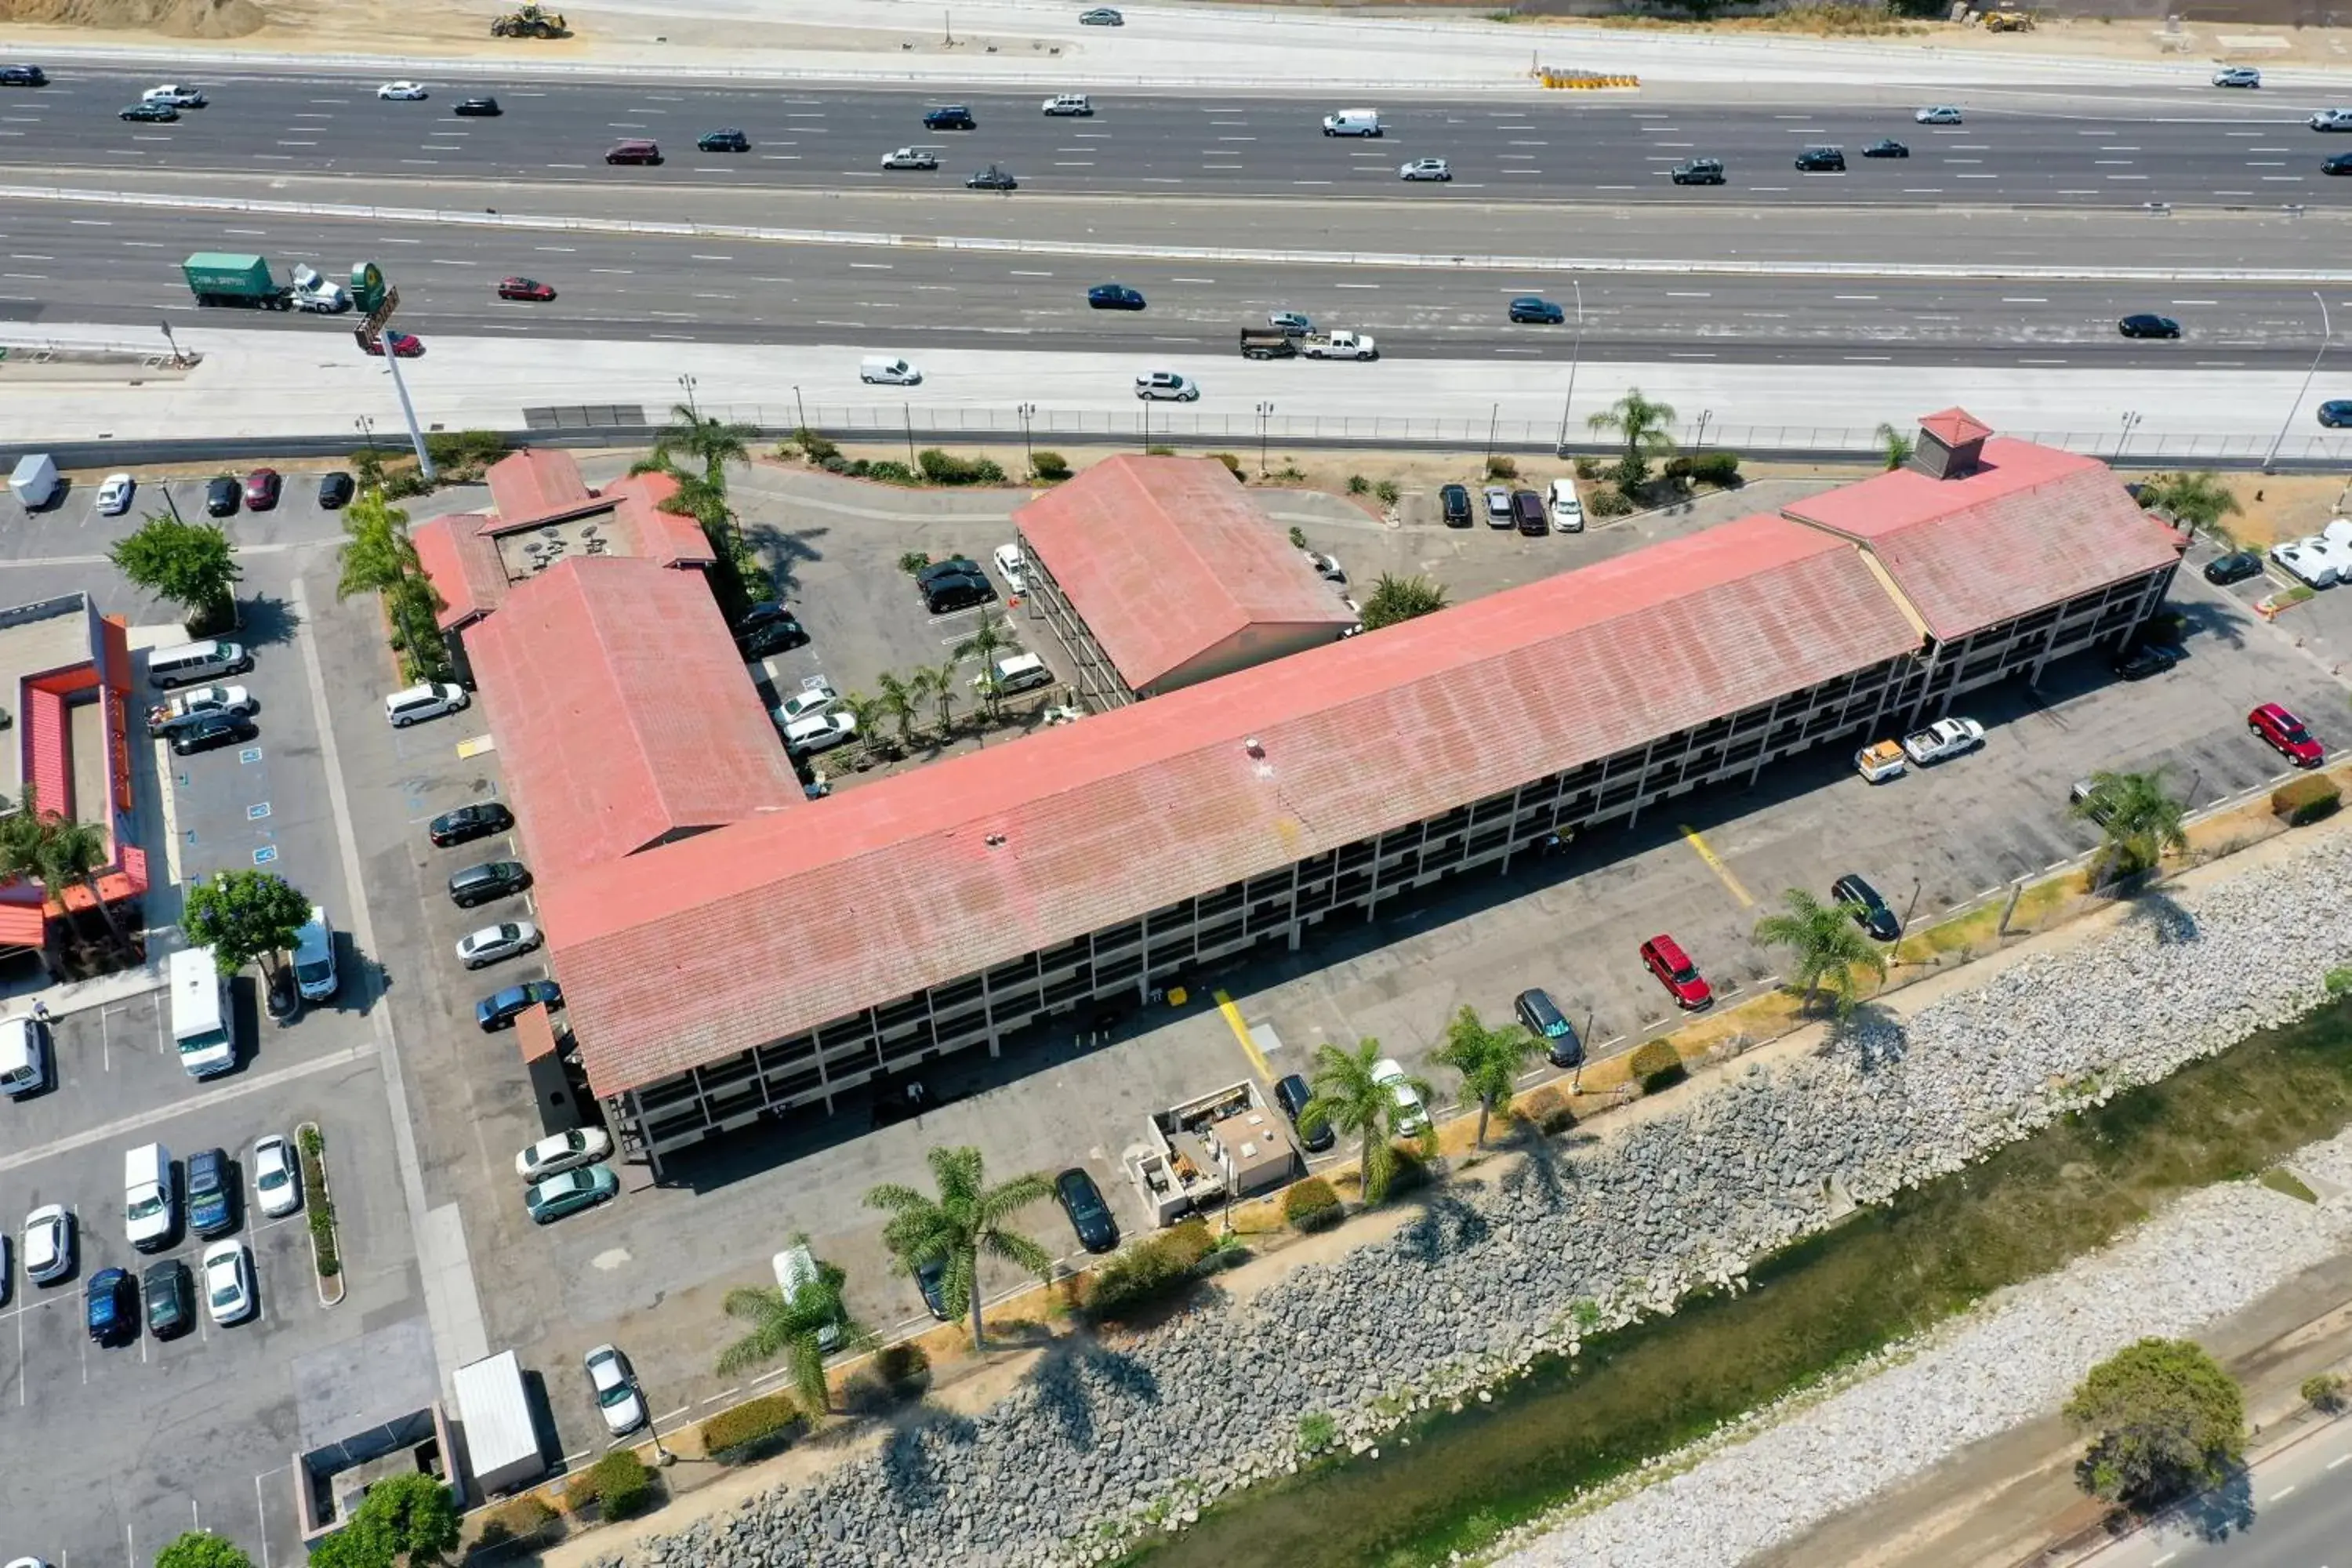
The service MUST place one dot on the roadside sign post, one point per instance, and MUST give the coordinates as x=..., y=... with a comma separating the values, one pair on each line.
x=380, y=301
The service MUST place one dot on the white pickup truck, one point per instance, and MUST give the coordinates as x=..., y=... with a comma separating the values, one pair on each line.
x=1338, y=345
x=189, y=706
x=1944, y=738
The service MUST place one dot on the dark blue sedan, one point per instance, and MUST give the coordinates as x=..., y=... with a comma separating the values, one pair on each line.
x=1114, y=296
x=500, y=1009
x=110, y=1309
x=1543, y=312
x=2335, y=415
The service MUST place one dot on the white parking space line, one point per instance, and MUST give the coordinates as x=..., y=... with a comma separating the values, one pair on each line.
x=244, y=1088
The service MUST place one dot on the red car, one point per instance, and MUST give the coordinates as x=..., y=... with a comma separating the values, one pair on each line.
x=261, y=489
x=402, y=344
x=2286, y=735
x=524, y=289
x=1676, y=973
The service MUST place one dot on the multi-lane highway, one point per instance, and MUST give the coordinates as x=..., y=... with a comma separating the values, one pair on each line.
x=2069, y=150
x=92, y=263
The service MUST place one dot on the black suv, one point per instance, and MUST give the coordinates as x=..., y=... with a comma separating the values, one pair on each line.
x=1870, y=911
x=23, y=75
x=1821, y=160
x=206, y=730
x=1709, y=171
x=223, y=496
x=1456, y=500
x=490, y=879
x=477, y=108
x=956, y=590
x=950, y=117
x=1541, y=1017
x=1292, y=1094
x=2234, y=567
x=1540, y=312
x=1089, y=1215
x=335, y=490
x=724, y=142
x=953, y=566
x=771, y=636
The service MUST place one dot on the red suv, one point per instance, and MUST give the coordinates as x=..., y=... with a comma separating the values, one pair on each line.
x=524, y=289
x=2286, y=735
x=634, y=152
x=261, y=489
x=1676, y=973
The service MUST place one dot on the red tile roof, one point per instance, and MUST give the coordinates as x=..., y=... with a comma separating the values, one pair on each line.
x=2032, y=526
x=624, y=715
x=657, y=535
x=533, y=483
x=464, y=565
x=1166, y=558
x=1954, y=427
x=786, y=922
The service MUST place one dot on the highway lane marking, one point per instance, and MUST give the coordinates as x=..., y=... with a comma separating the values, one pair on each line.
x=1192, y=280
x=1689, y=356
x=2346, y=1460
x=2282, y=1492
x=1019, y=272
x=93, y=222
x=710, y=259
x=1922, y=190
x=2265, y=162
x=616, y=271
x=1687, y=294
x=28, y=257
x=874, y=266
x=2294, y=179
x=2135, y=149
x=566, y=165
x=1074, y=163
x=1976, y=176
x=1355, y=285
x=566, y=250
x=2116, y=162
x=2197, y=302
x=1871, y=296
x=1236, y=138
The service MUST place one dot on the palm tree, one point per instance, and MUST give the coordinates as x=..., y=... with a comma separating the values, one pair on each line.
x=868, y=711
x=965, y=1220
x=2138, y=819
x=73, y=852
x=702, y=499
x=1897, y=445
x=897, y=701
x=1349, y=1100
x=1489, y=1060
x=712, y=443
x=2196, y=500
x=1394, y=599
x=1827, y=944
x=1641, y=426
x=790, y=1327
x=378, y=556
x=940, y=681
x=987, y=640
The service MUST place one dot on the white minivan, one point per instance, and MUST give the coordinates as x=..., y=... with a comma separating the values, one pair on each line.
x=204, y=1015
x=24, y=1058
x=150, y=1205
x=888, y=373
x=1566, y=511
x=314, y=957
x=429, y=700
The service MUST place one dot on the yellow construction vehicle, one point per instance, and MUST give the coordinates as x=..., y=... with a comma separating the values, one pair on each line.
x=2006, y=21
x=530, y=21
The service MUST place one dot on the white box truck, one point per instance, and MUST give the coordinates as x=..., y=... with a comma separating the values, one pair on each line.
x=34, y=481
x=204, y=1018
x=499, y=1438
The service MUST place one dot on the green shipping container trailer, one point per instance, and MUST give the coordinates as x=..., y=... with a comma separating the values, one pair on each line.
x=217, y=277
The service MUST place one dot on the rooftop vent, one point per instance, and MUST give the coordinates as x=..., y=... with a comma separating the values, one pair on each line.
x=1951, y=445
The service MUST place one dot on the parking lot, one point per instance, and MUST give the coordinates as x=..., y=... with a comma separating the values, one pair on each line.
x=650, y=1271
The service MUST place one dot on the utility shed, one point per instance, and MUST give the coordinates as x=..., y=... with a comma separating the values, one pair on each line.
x=495, y=1429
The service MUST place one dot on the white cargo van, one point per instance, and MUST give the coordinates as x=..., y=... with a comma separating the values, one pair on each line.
x=204, y=1019
x=34, y=481
x=314, y=957
x=24, y=1058
x=184, y=662
x=1352, y=123
x=149, y=1207
x=888, y=373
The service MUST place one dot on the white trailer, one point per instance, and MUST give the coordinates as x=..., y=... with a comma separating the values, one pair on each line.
x=496, y=1430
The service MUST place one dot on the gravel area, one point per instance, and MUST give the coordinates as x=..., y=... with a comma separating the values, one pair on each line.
x=1106, y=1442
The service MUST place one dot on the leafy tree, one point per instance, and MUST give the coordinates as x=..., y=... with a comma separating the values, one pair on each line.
x=66, y=853
x=1394, y=599
x=202, y=1549
x=1641, y=425
x=789, y=1327
x=2198, y=501
x=898, y=701
x=965, y=1220
x=1348, y=1099
x=192, y=565
x=2163, y=1418
x=243, y=916
x=1826, y=944
x=411, y=1516
x=1896, y=444
x=2138, y=820
x=1489, y=1060
x=987, y=640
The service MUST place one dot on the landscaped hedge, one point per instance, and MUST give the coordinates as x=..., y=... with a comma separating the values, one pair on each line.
x=1547, y=1108
x=1655, y=1067
x=1149, y=1272
x=320, y=1207
x=617, y=1486
x=1609, y=501
x=1311, y=1205
x=525, y=1519
x=1049, y=465
x=1716, y=468
x=751, y=1429
x=943, y=467
x=2306, y=799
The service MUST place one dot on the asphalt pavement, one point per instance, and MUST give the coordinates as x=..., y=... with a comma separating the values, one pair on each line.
x=2059, y=150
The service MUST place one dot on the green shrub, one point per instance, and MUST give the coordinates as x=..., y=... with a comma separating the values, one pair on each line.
x=1609, y=501
x=1388, y=491
x=2339, y=982
x=1587, y=467
x=1159, y=451
x=1357, y=484
x=618, y=1485
x=1298, y=537
x=834, y=463
x=1679, y=468
x=902, y=1364
x=1311, y=1205
x=1050, y=466
x=2324, y=1391
x=524, y=1519
x=1716, y=468
x=946, y=468
x=889, y=473
x=2306, y=799
x=1233, y=464
x=1655, y=1067
x=1410, y=1171
x=1317, y=1432
x=751, y=1429
x=319, y=1210
x=1149, y=1272
x=1502, y=468
x=1547, y=1109
x=813, y=447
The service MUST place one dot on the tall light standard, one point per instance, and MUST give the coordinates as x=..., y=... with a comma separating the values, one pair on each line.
x=2131, y=423
x=801, y=409
x=1704, y=416
x=686, y=384
x=1264, y=415
x=2326, y=332
x=367, y=430
x=1575, y=354
x=1028, y=411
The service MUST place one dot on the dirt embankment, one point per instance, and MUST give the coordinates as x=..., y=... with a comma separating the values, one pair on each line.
x=166, y=19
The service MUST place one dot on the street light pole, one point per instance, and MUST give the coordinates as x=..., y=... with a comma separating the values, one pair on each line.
x=687, y=382
x=800, y=407
x=2325, y=334
x=1264, y=415
x=1492, y=419
x=1028, y=412
x=2131, y=421
x=1704, y=416
x=1575, y=354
